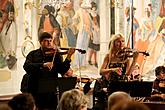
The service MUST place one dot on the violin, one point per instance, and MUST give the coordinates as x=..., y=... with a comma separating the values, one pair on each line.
x=52, y=51
x=128, y=52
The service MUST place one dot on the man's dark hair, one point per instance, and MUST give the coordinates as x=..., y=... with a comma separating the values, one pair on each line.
x=44, y=35
x=159, y=69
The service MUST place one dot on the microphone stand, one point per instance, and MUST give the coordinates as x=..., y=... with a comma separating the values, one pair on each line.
x=79, y=70
x=132, y=17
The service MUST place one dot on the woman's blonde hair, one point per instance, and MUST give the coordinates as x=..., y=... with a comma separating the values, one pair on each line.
x=112, y=41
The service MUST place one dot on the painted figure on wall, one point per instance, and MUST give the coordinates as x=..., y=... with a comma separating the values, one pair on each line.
x=49, y=24
x=129, y=15
x=144, y=31
x=83, y=21
x=147, y=25
x=94, y=42
x=27, y=19
x=64, y=18
x=148, y=33
x=156, y=46
x=144, y=36
x=8, y=33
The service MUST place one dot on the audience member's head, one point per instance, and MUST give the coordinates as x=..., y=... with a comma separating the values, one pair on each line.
x=73, y=100
x=130, y=105
x=5, y=107
x=22, y=101
x=116, y=97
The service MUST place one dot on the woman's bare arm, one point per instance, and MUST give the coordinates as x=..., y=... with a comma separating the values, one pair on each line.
x=104, y=70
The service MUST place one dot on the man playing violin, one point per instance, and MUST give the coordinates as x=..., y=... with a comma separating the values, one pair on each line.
x=43, y=70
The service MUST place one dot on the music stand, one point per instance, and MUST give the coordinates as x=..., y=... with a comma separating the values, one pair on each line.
x=51, y=84
x=47, y=85
x=134, y=88
x=141, y=89
x=66, y=83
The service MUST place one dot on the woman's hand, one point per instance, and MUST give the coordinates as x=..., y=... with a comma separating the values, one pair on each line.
x=135, y=55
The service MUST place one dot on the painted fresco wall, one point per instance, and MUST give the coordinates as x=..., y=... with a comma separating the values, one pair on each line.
x=8, y=35
x=80, y=28
x=24, y=20
x=8, y=43
x=19, y=28
x=148, y=32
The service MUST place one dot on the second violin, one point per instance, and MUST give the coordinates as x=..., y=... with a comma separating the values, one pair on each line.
x=128, y=52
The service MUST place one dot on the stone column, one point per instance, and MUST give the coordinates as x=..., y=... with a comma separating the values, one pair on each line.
x=104, y=29
x=119, y=16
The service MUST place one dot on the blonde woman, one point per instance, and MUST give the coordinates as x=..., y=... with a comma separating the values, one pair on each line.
x=118, y=63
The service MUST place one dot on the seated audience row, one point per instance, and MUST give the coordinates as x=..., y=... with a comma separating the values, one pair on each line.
x=75, y=99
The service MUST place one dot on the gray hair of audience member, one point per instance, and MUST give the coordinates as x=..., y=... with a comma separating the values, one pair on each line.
x=72, y=100
x=116, y=97
x=5, y=106
x=130, y=105
x=23, y=101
